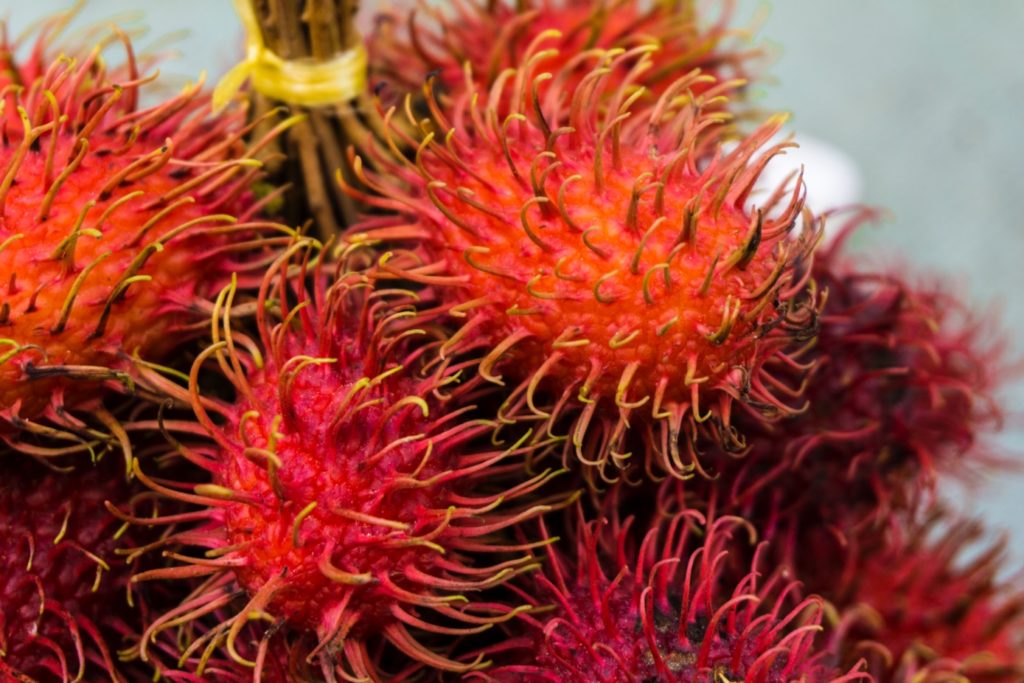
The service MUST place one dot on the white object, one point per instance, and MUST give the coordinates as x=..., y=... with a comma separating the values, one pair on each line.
x=831, y=176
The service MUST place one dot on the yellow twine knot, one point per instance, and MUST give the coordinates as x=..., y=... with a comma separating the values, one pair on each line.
x=307, y=82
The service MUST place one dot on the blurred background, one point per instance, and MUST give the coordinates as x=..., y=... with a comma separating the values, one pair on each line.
x=920, y=104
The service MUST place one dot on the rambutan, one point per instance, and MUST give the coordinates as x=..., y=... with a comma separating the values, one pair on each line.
x=278, y=660
x=63, y=592
x=611, y=267
x=676, y=608
x=903, y=387
x=346, y=498
x=480, y=41
x=927, y=602
x=114, y=221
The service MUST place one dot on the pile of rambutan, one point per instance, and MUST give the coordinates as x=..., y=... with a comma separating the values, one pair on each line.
x=576, y=399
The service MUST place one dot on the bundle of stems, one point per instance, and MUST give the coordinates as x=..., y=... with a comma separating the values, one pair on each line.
x=309, y=155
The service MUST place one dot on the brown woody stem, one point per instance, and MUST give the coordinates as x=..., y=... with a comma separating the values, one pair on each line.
x=314, y=149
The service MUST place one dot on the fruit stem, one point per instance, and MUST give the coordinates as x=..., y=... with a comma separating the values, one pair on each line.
x=309, y=154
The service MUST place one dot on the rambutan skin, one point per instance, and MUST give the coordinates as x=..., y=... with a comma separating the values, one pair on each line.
x=904, y=385
x=611, y=267
x=115, y=221
x=278, y=661
x=406, y=49
x=63, y=600
x=668, y=602
x=346, y=499
x=903, y=388
x=928, y=600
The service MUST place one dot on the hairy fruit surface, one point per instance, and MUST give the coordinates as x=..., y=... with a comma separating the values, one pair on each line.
x=930, y=602
x=114, y=221
x=477, y=42
x=677, y=608
x=903, y=388
x=346, y=500
x=611, y=270
x=63, y=598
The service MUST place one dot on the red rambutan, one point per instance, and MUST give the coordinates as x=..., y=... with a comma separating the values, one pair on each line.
x=277, y=662
x=569, y=35
x=927, y=604
x=62, y=588
x=114, y=221
x=610, y=267
x=678, y=608
x=346, y=499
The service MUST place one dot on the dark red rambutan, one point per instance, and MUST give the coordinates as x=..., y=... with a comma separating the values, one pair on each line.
x=568, y=35
x=929, y=602
x=677, y=608
x=114, y=221
x=903, y=386
x=610, y=268
x=63, y=589
x=346, y=499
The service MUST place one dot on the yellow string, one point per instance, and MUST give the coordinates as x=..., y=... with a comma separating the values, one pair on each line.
x=307, y=82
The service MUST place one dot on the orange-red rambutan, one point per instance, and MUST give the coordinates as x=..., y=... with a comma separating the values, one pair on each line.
x=611, y=267
x=346, y=500
x=678, y=608
x=114, y=220
x=63, y=601
x=569, y=35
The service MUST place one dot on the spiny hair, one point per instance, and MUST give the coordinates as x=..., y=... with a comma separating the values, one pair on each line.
x=64, y=596
x=349, y=498
x=904, y=386
x=278, y=660
x=609, y=265
x=930, y=599
x=493, y=37
x=116, y=223
x=669, y=601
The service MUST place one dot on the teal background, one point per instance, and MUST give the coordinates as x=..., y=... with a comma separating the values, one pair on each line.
x=926, y=96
